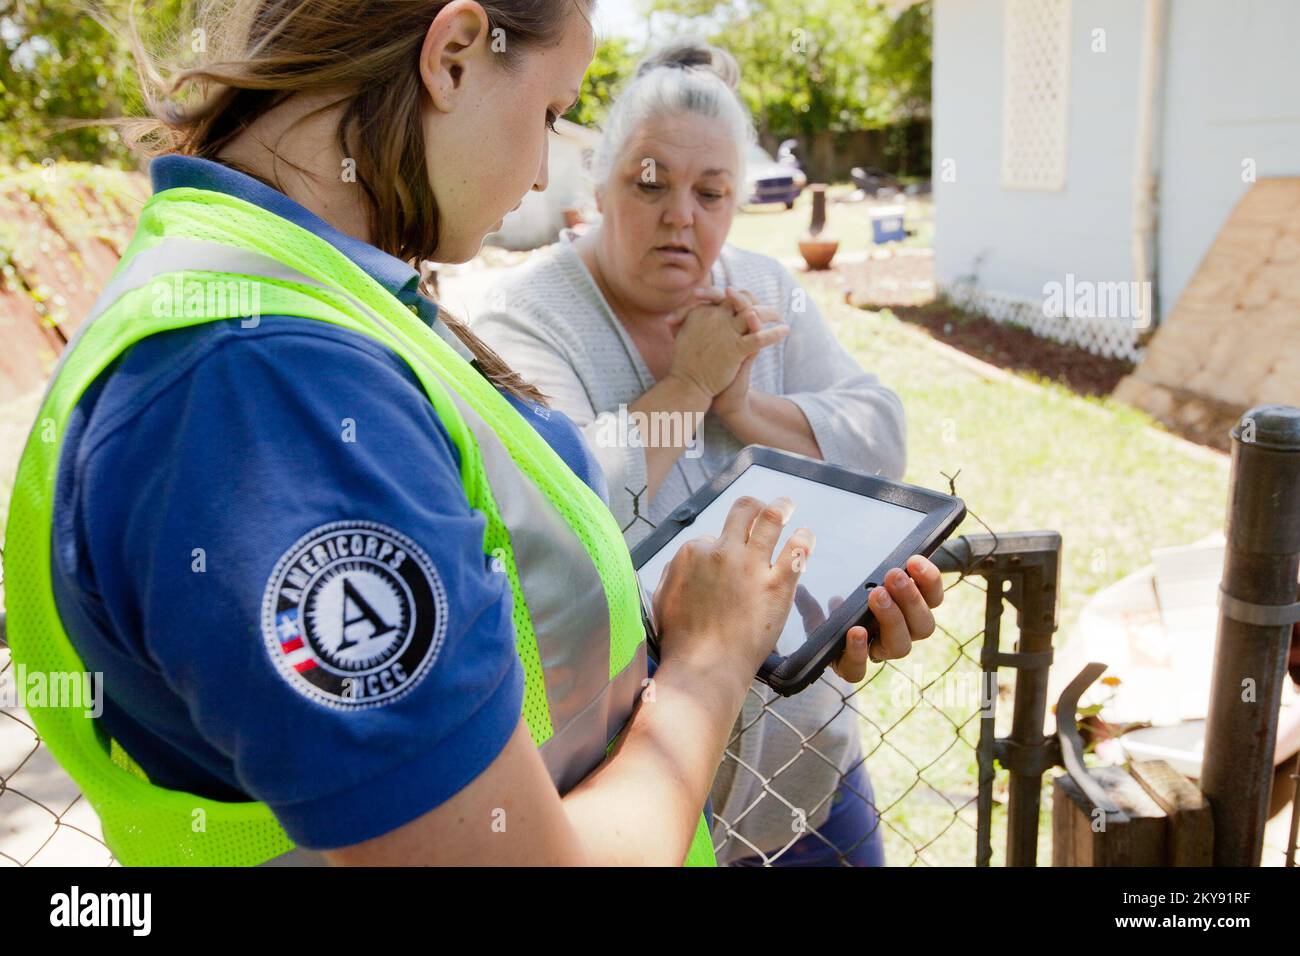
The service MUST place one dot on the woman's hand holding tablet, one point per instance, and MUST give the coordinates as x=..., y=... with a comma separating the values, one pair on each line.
x=696, y=615
x=869, y=592
x=901, y=608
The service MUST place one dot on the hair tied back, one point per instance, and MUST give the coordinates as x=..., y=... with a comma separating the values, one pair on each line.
x=692, y=52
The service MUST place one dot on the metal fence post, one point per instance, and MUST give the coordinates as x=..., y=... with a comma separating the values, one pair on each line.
x=1258, y=593
x=1039, y=587
x=1024, y=569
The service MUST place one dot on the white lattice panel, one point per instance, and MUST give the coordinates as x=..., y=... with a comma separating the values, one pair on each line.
x=1035, y=93
x=1111, y=337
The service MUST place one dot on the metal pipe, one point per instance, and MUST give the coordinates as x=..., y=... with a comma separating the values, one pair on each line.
x=1146, y=248
x=1261, y=562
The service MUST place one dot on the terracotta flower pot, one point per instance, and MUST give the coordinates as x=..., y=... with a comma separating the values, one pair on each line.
x=817, y=247
x=818, y=253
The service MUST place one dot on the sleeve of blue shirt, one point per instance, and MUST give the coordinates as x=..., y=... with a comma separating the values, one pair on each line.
x=247, y=453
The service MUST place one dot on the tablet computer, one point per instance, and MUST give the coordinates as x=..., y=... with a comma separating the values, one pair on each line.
x=864, y=525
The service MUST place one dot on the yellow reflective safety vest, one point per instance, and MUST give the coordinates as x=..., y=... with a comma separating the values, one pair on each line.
x=576, y=604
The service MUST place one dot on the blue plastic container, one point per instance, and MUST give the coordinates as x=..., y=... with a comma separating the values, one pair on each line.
x=887, y=224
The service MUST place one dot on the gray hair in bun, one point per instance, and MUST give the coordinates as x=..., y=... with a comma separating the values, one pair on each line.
x=684, y=75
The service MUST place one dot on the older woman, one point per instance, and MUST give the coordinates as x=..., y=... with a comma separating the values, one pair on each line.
x=672, y=351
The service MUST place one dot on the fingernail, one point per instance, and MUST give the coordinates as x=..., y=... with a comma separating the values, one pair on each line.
x=883, y=599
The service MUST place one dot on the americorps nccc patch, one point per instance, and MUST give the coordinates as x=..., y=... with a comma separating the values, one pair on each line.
x=354, y=614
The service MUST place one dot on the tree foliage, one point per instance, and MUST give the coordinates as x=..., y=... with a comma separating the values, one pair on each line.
x=612, y=64
x=806, y=66
x=59, y=63
x=812, y=65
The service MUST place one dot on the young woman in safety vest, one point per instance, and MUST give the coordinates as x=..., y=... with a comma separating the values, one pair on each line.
x=353, y=588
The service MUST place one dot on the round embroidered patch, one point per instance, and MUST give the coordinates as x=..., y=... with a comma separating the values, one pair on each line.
x=354, y=614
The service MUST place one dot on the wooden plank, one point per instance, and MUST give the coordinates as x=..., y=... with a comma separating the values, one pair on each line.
x=1191, y=824
x=1213, y=341
x=1076, y=840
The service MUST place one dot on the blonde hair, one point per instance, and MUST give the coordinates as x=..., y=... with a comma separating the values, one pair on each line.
x=262, y=52
x=684, y=75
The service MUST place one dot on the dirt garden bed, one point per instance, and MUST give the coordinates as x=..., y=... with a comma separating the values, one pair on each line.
x=904, y=284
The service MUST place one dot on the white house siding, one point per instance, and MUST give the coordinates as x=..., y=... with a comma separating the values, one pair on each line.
x=1015, y=241
x=1232, y=94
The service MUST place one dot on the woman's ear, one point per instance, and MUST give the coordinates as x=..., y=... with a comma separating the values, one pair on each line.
x=456, y=43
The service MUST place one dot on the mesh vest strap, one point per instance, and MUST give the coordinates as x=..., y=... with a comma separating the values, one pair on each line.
x=700, y=852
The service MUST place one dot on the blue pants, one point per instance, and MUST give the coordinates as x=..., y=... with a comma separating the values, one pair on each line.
x=853, y=828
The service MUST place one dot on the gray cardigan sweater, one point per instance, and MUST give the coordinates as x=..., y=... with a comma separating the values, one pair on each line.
x=549, y=321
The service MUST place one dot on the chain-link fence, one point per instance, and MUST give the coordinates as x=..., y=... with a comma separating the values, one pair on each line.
x=44, y=819
x=899, y=769
x=928, y=727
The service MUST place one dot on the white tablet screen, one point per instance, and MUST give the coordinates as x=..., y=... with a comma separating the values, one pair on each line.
x=854, y=534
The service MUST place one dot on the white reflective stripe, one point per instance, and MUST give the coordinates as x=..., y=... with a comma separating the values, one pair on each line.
x=568, y=754
x=179, y=254
x=447, y=335
x=565, y=595
x=564, y=592
x=566, y=599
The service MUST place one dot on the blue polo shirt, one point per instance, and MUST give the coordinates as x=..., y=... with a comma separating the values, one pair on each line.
x=262, y=541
